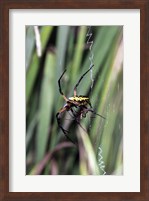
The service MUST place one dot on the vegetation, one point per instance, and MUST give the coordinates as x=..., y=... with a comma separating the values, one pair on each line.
x=100, y=142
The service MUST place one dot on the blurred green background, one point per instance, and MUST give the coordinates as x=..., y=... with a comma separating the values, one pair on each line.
x=100, y=143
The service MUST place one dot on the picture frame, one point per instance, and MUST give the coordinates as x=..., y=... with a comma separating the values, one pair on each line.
x=6, y=5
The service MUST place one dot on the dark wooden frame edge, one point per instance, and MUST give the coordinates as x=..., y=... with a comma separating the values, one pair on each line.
x=5, y=5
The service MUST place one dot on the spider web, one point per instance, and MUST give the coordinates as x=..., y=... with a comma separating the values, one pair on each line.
x=91, y=54
x=91, y=59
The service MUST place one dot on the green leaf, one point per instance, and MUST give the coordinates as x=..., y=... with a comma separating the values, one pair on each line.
x=46, y=102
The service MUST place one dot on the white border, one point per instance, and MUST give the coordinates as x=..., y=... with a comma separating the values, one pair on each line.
x=130, y=181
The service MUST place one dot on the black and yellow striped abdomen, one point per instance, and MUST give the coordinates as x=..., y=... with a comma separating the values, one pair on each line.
x=81, y=100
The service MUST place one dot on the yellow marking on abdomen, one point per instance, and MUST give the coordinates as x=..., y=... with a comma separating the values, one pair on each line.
x=78, y=98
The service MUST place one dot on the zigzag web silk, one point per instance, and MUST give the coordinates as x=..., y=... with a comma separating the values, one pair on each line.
x=91, y=58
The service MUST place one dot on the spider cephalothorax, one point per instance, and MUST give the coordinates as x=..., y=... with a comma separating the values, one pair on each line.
x=79, y=102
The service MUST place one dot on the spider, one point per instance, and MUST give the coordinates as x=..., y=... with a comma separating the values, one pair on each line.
x=80, y=102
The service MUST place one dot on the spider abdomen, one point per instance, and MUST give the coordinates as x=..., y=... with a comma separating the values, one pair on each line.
x=81, y=100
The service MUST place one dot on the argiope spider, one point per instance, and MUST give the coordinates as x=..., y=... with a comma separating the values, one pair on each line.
x=80, y=102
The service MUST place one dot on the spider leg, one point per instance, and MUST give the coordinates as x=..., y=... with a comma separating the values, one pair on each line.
x=91, y=110
x=60, y=126
x=60, y=89
x=75, y=88
x=77, y=120
x=73, y=113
